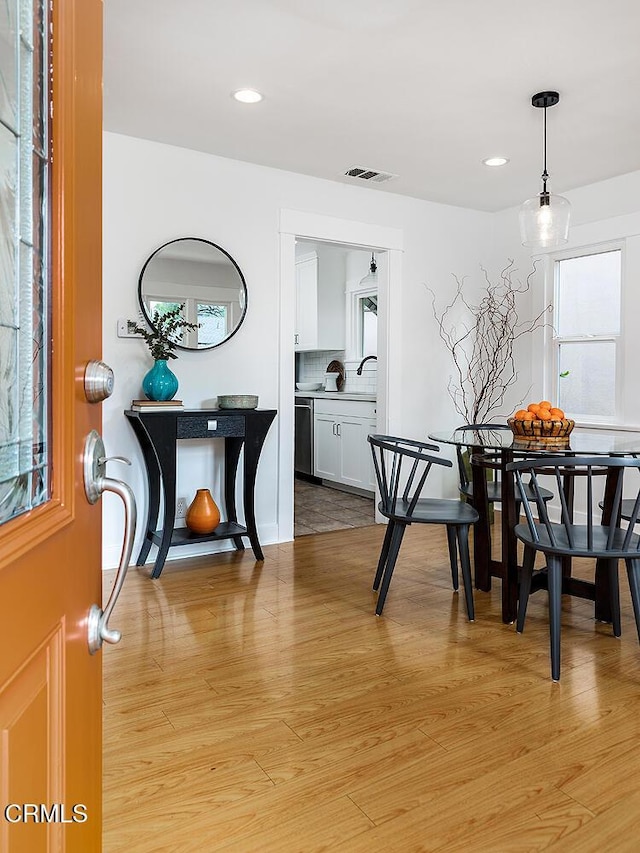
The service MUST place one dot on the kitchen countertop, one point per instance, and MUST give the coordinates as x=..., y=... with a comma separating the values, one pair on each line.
x=337, y=395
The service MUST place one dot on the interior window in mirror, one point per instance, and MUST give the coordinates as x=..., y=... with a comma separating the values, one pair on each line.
x=158, y=307
x=162, y=307
x=212, y=319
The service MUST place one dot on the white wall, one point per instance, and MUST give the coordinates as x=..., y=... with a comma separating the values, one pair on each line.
x=154, y=193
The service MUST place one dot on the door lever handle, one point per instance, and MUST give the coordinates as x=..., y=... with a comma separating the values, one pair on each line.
x=95, y=484
x=98, y=626
x=104, y=459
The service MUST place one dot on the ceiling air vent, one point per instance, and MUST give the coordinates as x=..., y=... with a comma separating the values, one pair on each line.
x=364, y=174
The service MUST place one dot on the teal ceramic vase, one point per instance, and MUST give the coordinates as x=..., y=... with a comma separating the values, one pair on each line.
x=160, y=383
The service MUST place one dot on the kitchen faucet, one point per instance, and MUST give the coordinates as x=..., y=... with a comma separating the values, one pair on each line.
x=359, y=370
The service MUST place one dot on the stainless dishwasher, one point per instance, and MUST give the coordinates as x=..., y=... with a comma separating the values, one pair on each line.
x=303, y=460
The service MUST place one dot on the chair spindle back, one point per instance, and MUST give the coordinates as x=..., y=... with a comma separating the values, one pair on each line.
x=587, y=467
x=402, y=466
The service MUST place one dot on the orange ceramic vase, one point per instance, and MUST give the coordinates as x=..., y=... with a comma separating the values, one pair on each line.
x=203, y=515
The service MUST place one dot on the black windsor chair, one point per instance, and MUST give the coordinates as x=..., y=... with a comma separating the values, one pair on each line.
x=402, y=467
x=490, y=460
x=626, y=505
x=556, y=540
x=626, y=508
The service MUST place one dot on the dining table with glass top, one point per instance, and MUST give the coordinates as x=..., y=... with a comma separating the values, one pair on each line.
x=496, y=448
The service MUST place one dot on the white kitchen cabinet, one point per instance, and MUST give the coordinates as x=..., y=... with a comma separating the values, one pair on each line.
x=341, y=450
x=320, y=307
x=326, y=463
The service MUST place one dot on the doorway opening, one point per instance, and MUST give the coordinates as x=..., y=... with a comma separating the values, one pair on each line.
x=344, y=250
x=335, y=341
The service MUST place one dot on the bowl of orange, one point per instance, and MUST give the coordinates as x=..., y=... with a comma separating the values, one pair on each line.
x=541, y=422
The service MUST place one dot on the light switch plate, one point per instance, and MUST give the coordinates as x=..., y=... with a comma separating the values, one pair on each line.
x=125, y=329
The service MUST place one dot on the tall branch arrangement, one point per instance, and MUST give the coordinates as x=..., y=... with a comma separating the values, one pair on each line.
x=482, y=344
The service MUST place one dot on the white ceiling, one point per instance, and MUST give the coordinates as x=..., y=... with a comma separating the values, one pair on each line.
x=424, y=89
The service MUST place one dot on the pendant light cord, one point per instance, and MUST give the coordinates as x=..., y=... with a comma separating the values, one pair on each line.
x=545, y=174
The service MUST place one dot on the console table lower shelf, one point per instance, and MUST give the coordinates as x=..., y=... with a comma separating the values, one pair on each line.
x=184, y=536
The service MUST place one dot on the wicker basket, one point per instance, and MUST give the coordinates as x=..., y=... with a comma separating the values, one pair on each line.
x=554, y=431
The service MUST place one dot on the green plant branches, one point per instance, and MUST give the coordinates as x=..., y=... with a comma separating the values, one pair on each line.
x=165, y=332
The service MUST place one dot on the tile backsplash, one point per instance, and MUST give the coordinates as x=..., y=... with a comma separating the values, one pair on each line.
x=313, y=366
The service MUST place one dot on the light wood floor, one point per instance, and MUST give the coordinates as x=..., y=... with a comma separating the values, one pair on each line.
x=265, y=708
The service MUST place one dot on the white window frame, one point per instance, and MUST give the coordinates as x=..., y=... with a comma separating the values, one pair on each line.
x=353, y=353
x=553, y=340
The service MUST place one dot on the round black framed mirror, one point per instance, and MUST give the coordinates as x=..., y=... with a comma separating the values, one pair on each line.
x=203, y=278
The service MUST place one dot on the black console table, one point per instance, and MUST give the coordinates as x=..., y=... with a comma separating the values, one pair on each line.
x=158, y=434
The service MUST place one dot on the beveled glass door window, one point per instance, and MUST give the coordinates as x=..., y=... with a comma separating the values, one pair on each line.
x=24, y=251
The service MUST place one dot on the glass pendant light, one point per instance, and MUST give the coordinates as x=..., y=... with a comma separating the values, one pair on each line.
x=372, y=276
x=544, y=219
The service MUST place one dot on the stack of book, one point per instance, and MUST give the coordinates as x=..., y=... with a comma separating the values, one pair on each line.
x=156, y=405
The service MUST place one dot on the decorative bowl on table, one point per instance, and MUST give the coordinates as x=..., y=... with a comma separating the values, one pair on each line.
x=555, y=430
x=308, y=386
x=237, y=401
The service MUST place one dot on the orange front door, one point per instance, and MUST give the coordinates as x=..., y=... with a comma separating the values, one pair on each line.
x=50, y=686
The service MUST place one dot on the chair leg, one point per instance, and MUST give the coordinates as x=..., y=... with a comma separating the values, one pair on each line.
x=465, y=565
x=614, y=595
x=633, y=573
x=384, y=553
x=453, y=555
x=526, y=574
x=394, y=548
x=554, y=566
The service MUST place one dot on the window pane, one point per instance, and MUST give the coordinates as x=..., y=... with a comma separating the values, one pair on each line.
x=369, y=332
x=587, y=378
x=212, y=320
x=8, y=60
x=24, y=267
x=8, y=235
x=163, y=307
x=39, y=80
x=589, y=295
x=159, y=307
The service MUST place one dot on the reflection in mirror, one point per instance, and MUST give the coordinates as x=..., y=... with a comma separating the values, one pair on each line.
x=369, y=323
x=205, y=280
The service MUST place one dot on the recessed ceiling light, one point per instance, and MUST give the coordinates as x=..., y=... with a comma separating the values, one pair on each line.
x=247, y=96
x=496, y=161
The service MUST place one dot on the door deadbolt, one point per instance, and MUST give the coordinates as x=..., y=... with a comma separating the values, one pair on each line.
x=98, y=381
